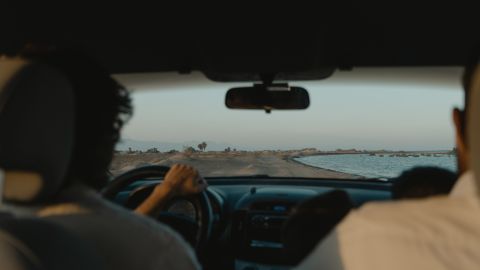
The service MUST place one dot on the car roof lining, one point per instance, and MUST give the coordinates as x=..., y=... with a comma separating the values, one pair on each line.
x=134, y=39
x=435, y=77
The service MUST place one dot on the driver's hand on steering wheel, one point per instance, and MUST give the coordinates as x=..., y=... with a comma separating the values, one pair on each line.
x=182, y=180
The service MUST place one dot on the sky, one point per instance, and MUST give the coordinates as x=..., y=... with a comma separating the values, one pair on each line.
x=389, y=108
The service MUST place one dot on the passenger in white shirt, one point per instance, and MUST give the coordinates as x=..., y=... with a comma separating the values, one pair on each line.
x=436, y=233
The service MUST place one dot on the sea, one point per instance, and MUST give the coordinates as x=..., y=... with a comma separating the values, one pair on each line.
x=377, y=166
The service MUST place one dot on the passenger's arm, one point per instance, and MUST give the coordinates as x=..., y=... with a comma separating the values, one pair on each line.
x=180, y=180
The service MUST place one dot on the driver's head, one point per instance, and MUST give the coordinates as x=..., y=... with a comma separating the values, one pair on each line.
x=459, y=115
x=102, y=107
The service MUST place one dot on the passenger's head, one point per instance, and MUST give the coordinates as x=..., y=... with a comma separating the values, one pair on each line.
x=459, y=115
x=102, y=107
x=421, y=182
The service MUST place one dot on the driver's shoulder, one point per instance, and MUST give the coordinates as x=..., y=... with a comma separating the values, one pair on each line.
x=171, y=248
x=93, y=203
x=127, y=226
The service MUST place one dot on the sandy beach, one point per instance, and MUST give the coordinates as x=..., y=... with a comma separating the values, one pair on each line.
x=211, y=164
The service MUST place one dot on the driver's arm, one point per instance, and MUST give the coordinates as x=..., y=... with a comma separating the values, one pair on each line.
x=181, y=180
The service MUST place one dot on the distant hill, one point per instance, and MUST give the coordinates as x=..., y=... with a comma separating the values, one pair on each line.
x=124, y=144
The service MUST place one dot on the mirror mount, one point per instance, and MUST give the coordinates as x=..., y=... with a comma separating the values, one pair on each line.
x=270, y=87
x=267, y=78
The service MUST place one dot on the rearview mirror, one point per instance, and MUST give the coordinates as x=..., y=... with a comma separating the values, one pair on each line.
x=268, y=97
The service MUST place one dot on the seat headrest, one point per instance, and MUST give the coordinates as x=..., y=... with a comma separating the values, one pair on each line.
x=473, y=126
x=36, y=129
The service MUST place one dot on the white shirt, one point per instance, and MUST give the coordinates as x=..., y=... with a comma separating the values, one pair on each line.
x=122, y=238
x=436, y=233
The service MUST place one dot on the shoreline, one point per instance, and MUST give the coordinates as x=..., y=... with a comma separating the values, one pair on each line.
x=379, y=153
x=247, y=163
x=218, y=164
x=292, y=159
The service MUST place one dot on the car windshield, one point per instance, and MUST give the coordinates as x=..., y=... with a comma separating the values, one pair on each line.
x=365, y=123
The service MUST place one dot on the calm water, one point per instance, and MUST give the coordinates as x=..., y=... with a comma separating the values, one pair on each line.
x=376, y=166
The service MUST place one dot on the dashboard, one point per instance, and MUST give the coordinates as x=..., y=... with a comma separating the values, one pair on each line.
x=249, y=214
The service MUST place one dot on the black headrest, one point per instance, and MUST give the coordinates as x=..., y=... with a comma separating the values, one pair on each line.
x=311, y=221
x=36, y=128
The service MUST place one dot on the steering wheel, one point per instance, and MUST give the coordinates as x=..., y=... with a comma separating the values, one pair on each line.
x=203, y=208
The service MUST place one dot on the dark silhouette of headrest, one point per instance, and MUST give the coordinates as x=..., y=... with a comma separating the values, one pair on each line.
x=312, y=220
x=36, y=129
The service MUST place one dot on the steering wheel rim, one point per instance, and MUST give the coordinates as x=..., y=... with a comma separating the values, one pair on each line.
x=201, y=201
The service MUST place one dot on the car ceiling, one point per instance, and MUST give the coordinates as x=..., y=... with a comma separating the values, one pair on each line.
x=137, y=39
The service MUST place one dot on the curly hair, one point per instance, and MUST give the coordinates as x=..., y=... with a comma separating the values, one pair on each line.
x=102, y=107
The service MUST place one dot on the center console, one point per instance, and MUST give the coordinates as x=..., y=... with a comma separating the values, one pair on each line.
x=257, y=227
